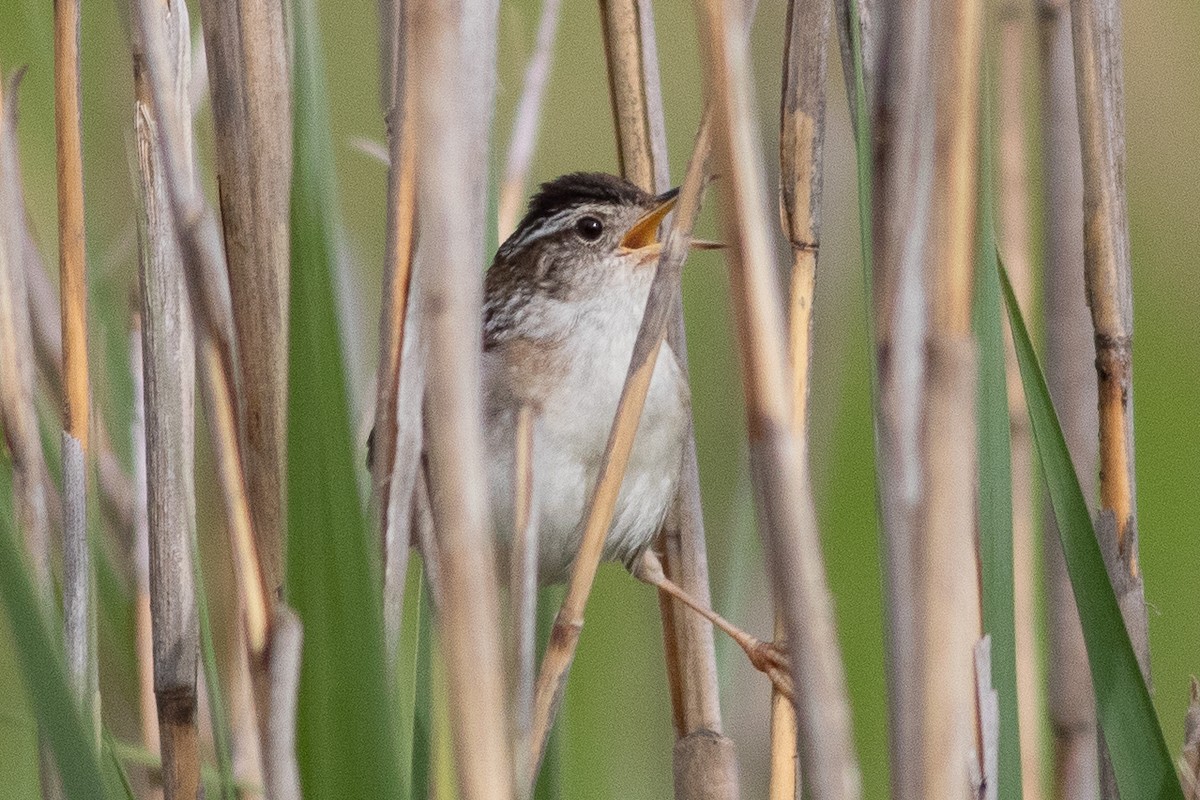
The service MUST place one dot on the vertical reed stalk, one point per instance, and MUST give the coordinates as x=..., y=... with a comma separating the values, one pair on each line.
x=248, y=65
x=784, y=503
x=1013, y=235
x=386, y=455
x=946, y=555
x=1068, y=369
x=523, y=582
x=1189, y=764
x=168, y=349
x=454, y=102
x=564, y=636
x=1099, y=82
x=78, y=607
x=702, y=751
x=902, y=127
x=801, y=161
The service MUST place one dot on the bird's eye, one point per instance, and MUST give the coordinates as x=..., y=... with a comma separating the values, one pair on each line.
x=589, y=228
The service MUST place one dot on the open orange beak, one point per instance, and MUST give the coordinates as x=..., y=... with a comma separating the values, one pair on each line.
x=643, y=236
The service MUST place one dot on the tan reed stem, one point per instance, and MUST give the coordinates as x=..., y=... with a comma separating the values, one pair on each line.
x=945, y=551
x=785, y=511
x=1099, y=83
x=454, y=102
x=394, y=517
x=523, y=581
x=801, y=148
x=1013, y=237
x=246, y=49
x=568, y=624
x=631, y=48
x=169, y=351
x=524, y=136
x=1069, y=370
x=78, y=607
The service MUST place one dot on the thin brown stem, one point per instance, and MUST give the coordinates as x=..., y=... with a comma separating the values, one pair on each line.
x=787, y=518
x=564, y=636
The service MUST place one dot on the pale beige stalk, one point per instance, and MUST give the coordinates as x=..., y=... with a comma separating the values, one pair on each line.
x=523, y=583
x=246, y=49
x=946, y=555
x=456, y=48
x=786, y=516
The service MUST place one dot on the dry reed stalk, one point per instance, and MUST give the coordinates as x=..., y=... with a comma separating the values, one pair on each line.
x=394, y=517
x=1013, y=239
x=168, y=351
x=1068, y=371
x=989, y=722
x=523, y=582
x=1099, y=82
x=564, y=636
x=79, y=611
x=636, y=93
x=281, y=772
x=787, y=519
x=525, y=123
x=199, y=243
x=801, y=167
x=902, y=151
x=456, y=46
x=250, y=88
x=945, y=552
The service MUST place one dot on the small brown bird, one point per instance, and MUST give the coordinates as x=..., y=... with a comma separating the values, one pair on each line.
x=562, y=305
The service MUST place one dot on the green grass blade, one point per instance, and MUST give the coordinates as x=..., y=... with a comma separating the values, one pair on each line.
x=116, y=775
x=995, y=477
x=1139, y=753
x=43, y=670
x=346, y=737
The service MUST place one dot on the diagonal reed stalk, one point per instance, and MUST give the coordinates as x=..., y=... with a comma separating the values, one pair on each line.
x=79, y=611
x=705, y=759
x=801, y=168
x=945, y=550
x=246, y=50
x=454, y=106
x=1068, y=370
x=396, y=438
x=786, y=515
x=168, y=351
x=1013, y=236
x=564, y=636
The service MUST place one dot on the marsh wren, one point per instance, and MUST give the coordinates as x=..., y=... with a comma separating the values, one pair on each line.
x=563, y=301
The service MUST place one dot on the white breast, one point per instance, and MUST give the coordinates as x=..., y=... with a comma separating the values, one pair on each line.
x=571, y=434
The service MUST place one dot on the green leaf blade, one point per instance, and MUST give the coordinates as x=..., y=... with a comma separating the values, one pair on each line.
x=1139, y=753
x=346, y=736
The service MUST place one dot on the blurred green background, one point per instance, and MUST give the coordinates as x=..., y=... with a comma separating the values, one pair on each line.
x=617, y=721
